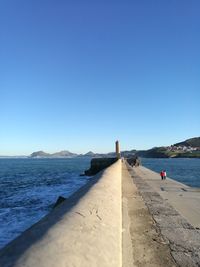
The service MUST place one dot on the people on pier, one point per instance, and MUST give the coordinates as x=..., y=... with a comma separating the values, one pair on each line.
x=163, y=174
x=136, y=162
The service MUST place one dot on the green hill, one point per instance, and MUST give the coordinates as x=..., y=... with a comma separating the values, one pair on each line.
x=156, y=152
x=162, y=152
x=189, y=148
x=193, y=142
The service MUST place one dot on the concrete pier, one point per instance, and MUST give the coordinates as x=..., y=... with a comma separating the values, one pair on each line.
x=125, y=216
x=142, y=245
x=83, y=231
x=174, y=211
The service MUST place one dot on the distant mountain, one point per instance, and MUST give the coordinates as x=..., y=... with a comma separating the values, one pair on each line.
x=39, y=154
x=61, y=154
x=128, y=153
x=93, y=155
x=64, y=153
x=193, y=142
x=68, y=154
x=89, y=154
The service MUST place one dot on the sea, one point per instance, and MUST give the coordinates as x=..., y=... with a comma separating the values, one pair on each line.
x=30, y=187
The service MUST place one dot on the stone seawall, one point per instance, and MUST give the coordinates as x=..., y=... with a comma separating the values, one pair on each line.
x=83, y=231
x=99, y=164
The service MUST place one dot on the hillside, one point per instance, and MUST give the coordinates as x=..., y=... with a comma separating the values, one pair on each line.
x=193, y=142
x=189, y=148
x=163, y=152
x=157, y=152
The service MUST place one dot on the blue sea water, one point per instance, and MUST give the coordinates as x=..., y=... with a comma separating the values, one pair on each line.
x=30, y=187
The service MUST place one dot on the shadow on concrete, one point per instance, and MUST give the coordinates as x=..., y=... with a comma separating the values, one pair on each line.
x=11, y=253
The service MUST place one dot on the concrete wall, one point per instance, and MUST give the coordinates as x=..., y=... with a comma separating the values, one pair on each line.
x=98, y=164
x=83, y=231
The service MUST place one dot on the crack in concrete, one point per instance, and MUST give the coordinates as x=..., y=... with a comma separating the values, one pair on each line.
x=80, y=214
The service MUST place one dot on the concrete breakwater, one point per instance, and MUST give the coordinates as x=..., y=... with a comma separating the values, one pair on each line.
x=123, y=217
x=175, y=212
x=85, y=230
x=98, y=164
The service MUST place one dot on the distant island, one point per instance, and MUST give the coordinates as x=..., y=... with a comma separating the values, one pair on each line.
x=189, y=148
x=68, y=154
x=61, y=154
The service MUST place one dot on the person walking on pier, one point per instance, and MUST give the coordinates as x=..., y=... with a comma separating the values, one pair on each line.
x=162, y=175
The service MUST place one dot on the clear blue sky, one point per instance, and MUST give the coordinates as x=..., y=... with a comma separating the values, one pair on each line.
x=78, y=75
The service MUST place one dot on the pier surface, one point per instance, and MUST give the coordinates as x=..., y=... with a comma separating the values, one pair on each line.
x=173, y=212
x=185, y=199
x=142, y=243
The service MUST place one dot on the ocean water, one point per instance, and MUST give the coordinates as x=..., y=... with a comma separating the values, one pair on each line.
x=30, y=187
x=186, y=171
